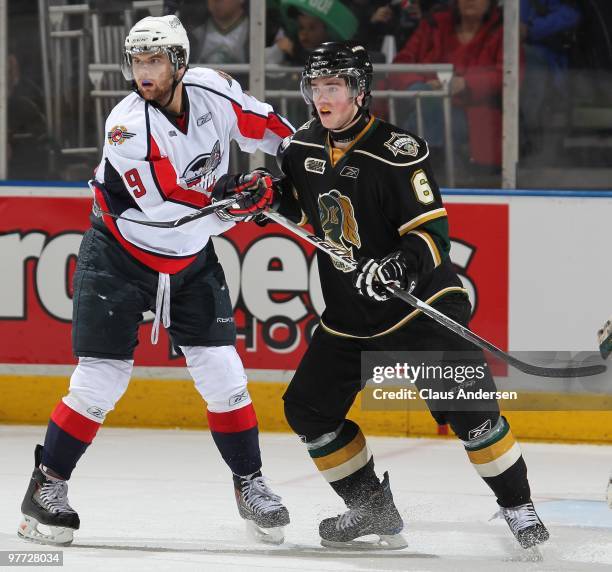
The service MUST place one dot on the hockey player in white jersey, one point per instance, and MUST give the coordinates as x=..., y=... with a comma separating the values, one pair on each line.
x=166, y=149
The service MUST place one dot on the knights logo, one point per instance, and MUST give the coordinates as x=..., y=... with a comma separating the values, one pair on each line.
x=402, y=144
x=118, y=134
x=200, y=172
x=339, y=224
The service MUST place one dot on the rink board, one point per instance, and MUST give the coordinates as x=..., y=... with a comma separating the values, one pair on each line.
x=532, y=265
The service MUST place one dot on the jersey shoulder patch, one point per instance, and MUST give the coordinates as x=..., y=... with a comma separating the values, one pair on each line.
x=216, y=80
x=125, y=128
x=394, y=145
x=311, y=132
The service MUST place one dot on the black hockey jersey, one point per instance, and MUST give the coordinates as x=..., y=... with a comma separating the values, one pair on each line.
x=373, y=198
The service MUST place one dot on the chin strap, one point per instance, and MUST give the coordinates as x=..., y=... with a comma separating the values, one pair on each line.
x=346, y=135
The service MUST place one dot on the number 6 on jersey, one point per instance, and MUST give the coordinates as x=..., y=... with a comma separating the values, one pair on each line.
x=422, y=188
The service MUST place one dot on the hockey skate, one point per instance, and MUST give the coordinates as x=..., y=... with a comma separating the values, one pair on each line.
x=262, y=510
x=377, y=516
x=527, y=528
x=46, y=503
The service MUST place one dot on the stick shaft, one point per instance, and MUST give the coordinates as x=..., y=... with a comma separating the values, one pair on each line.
x=444, y=320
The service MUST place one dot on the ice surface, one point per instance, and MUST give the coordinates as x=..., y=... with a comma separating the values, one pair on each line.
x=163, y=500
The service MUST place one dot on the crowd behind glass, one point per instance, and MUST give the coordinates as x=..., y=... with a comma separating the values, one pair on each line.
x=566, y=57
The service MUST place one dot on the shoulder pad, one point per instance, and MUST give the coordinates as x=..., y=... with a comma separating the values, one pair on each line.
x=283, y=151
x=215, y=79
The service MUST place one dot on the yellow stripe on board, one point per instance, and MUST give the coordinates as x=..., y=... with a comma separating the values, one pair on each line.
x=29, y=399
x=341, y=455
x=492, y=452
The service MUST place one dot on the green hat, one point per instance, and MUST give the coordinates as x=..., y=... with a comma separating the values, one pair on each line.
x=340, y=21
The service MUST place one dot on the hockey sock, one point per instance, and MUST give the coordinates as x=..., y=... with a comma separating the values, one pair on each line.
x=68, y=435
x=237, y=437
x=346, y=462
x=497, y=458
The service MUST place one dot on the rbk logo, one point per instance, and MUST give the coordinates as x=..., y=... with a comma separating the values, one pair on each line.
x=480, y=430
x=204, y=119
x=352, y=172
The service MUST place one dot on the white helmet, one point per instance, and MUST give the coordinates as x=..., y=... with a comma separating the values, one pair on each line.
x=153, y=34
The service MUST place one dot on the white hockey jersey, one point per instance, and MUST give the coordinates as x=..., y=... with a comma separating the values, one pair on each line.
x=151, y=169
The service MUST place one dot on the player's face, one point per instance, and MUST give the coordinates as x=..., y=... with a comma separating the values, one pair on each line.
x=153, y=74
x=333, y=102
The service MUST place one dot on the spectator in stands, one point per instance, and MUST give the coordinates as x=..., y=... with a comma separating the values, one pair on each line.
x=27, y=135
x=469, y=35
x=395, y=18
x=307, y=24
x=224, y=37
x=548, y=31
x=287, y=50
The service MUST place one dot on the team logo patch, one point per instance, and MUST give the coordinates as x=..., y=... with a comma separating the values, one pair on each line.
x=118, y=134
x=352, y=172
x=204, y=119
x=480, y=430
x=201, y=171
x=339, y=224
x=402, y=144
x=227, y=77
x=313, y=165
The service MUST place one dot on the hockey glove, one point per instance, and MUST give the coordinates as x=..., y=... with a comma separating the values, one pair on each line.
x=371, y=276
x=259, y=190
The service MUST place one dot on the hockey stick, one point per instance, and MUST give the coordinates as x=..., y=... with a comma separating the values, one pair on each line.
x=209, y=209
x=342, y=256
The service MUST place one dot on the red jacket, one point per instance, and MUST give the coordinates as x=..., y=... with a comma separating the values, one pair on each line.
x=479, y=62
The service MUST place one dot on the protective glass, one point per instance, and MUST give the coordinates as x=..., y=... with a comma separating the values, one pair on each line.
x=331, y=92
x=129, y=67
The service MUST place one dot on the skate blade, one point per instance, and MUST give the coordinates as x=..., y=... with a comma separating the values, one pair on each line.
x=266, y=535
x=384, y=542
x=57, y=536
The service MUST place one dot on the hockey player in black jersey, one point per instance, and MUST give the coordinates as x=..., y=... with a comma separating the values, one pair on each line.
x=367, y=186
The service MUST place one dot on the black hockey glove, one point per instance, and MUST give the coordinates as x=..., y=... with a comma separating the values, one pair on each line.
x=371, y=276
x=259, y=188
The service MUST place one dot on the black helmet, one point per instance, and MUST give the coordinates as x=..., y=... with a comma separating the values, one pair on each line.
x=339, y=59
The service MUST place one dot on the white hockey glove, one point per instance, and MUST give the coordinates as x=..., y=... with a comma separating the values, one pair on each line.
x=604, y=337
x=371, y=276
x=260, y=195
